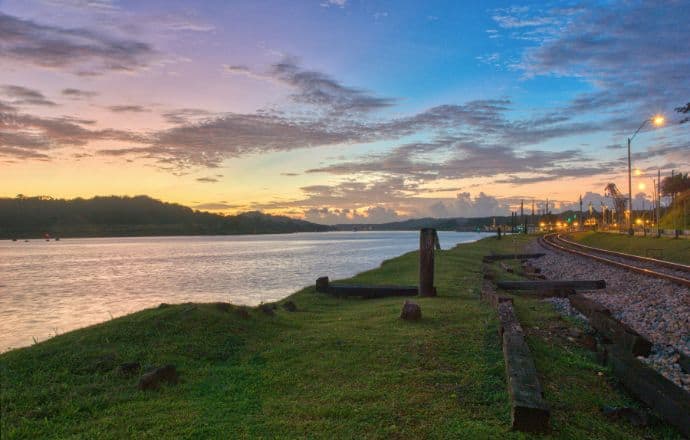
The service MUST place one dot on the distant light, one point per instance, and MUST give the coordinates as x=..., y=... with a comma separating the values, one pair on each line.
x=658, y=120
x=638, y=221
x=642, y=186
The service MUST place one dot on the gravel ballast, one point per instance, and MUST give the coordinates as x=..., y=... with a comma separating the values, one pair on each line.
x=657, y=309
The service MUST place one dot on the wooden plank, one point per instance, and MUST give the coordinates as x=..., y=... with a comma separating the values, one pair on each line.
x=496, y=257
x=616, y=331
x=546, y=293
x=529, y=411
x=670, y=401
x=488, y=294
x=371, y=291
x=552, y=284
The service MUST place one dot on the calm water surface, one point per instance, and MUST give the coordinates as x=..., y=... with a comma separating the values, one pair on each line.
x=53, y=287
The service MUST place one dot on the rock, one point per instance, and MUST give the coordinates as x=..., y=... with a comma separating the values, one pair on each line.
x=129, y=368
x=153, y=379
x=411, y=311
x=267, y=309
x=635, y=416
x=290, y=306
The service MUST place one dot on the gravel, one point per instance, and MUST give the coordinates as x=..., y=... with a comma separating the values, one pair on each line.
x=657, y=309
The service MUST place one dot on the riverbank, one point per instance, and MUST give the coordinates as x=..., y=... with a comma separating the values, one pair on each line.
x=334, y=368
x=664, y=248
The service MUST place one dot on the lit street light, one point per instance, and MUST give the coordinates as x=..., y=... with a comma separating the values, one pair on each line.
x=658, y=121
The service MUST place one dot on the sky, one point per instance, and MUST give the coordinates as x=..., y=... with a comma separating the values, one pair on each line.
x=342, y=111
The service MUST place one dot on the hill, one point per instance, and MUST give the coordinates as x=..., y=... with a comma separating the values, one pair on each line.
x=27, y=217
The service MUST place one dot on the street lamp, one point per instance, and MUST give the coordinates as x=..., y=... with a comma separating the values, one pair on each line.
x=658, y=121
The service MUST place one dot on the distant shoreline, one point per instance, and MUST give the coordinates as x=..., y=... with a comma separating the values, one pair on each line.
x=63, y=237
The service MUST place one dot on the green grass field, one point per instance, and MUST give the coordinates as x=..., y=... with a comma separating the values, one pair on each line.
x=677, y=250
x=336, y=368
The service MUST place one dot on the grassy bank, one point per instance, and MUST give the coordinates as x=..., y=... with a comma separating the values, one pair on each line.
x=336, y=368
x=677, y=250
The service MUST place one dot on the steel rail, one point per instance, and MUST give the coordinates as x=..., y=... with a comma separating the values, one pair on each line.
x=552, y=239
x=668, y=264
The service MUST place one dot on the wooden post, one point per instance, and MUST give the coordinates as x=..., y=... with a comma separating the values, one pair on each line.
x=427, y=242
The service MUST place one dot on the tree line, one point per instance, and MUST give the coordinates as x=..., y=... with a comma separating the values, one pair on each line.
x=27, y=217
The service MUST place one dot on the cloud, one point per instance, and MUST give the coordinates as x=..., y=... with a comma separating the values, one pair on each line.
x=634, y=54
x=331, y=216
x=479, y=133
x=217, y=206
x=31, y=43
x=384, y=201
x=464, y=205
x=98, y=5
x=316, y=88
x=78, y=94
x=127, y=108
x=185, y=115
x=458, y=158
x=7, y=107
x=24, y=136
x=379, y=214
x=339, y=3
x=25, y=96
x=207, y=179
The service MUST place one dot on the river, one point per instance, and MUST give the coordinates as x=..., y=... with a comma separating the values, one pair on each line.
x=49, y=288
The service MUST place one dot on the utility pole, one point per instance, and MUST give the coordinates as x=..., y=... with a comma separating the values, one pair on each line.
x=630, y=218
x=532, y=219
x=522, y=216
x=580, y=212
x=658, y=203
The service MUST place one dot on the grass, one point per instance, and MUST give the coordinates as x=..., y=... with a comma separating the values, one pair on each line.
x=676, y=250
x=336, y=368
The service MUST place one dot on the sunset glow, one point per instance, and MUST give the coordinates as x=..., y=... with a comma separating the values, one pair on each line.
x=338, y=111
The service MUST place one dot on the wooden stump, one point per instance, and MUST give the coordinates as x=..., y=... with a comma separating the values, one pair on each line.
x=427, y=243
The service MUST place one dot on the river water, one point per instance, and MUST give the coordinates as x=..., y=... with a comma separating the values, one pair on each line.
x=57, y=286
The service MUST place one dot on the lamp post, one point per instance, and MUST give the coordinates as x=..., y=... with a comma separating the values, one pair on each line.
x=658, y=121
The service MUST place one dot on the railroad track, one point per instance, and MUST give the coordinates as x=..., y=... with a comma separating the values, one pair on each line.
x=674, y=272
